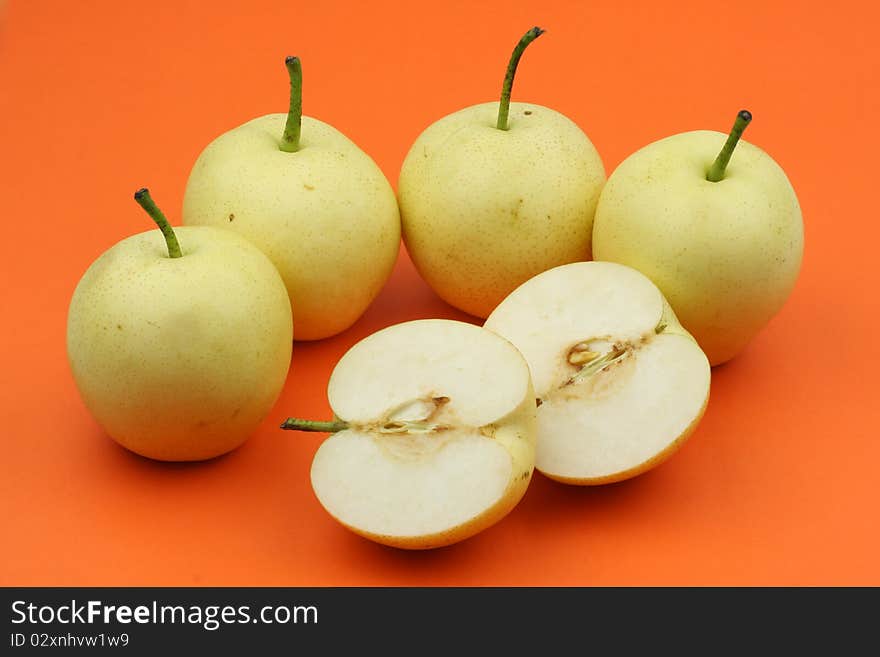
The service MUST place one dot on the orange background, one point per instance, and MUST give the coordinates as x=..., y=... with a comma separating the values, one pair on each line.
x=777, y=487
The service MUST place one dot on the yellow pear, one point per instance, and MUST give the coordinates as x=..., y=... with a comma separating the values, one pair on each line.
x=495, y=193
x=722, y=238
x=179, y=349
x=312, y=201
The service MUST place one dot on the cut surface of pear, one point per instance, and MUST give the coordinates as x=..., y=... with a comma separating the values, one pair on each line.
x=620, y=384
x=440, y=437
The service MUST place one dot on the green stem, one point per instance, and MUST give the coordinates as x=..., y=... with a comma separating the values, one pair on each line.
x=142, y=196
x=296, y=424
x=716, y=171
x=504, y=107
x=293, y=127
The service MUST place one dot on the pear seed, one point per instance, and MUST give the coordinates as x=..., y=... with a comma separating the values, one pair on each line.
x=581, y=357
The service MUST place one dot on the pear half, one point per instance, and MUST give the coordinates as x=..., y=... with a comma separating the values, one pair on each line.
x=620, y=383
x=437, y=439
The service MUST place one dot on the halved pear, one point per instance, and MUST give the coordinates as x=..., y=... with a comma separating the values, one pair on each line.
x=434, y=434
x=620, y=383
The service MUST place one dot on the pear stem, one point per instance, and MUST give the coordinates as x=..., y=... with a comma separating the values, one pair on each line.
x=293, y=127
x=504, y=107
x=296, y=424
x=716, y=171
x=142, y=196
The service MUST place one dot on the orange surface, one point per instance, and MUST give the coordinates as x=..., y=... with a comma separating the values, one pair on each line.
x=779, y=484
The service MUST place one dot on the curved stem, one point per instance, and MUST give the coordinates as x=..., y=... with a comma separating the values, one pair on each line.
x=716, y=171
x=142, y=196
x=296, y=424
x=504, y=107
x=293, y=127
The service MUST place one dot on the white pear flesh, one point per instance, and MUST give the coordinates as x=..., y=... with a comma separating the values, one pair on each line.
x=424, y=489
x=629, y=415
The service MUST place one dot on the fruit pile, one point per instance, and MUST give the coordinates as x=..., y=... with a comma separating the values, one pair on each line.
x=606, y=302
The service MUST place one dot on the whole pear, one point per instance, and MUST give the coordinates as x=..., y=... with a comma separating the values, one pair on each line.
x=721, y=236
x=495, y=193
x=312, y=201
x=180, y=349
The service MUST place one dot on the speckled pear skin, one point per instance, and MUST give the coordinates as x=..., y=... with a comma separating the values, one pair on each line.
x=725, y=254
x=483, y=210
x=325, y=215
x=179, y=359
